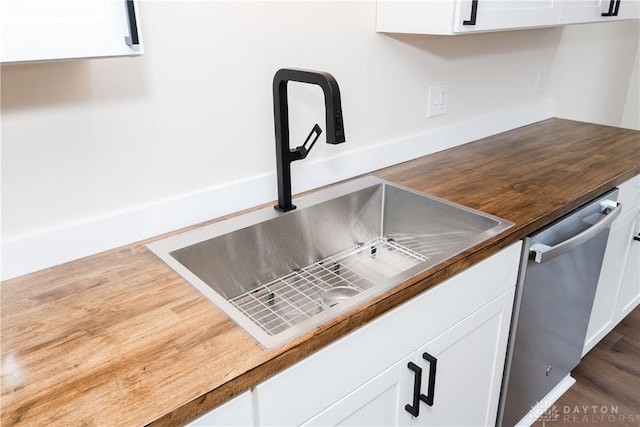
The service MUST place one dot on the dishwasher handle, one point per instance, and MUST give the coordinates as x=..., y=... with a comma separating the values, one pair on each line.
x=541, y=252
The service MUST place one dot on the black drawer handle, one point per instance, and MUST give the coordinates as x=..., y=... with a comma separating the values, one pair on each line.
x=474, y=13
x=132, y=39
x=414, y=409
x=431, y=388
x=614, y=8
x=637, y=237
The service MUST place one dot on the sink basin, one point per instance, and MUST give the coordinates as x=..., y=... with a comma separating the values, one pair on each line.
x=278, y=275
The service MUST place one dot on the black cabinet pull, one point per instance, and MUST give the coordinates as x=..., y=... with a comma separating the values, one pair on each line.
x=610, y=12
x=614, y=8
x=428, y=399
x=474, y=13
x=414, y=408
x=637, y=237
x=132, y=39
x=617, y=8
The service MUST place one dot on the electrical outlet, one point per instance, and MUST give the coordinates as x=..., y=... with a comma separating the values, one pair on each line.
x=438, y=100
x=541, y=80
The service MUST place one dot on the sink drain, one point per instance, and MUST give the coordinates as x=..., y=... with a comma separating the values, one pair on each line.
x=338, y=294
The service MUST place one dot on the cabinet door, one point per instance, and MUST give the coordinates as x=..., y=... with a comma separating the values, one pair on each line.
x=487, y=15
x=34, y=30
x=603, y=313
x=376, y=403
x=469, y=366
x=462, y=16
x=579, y=11
x=629, y=295
x=618, y=285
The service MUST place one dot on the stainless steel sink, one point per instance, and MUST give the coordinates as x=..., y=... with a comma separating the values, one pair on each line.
x=278, y=275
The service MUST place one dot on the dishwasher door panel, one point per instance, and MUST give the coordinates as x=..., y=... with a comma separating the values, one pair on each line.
x=555, y=300
x=552, y=325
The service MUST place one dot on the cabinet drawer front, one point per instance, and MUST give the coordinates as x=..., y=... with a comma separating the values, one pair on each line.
x=353, y=360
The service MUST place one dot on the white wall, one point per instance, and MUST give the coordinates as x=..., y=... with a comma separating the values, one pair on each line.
x=98, y=153
x=593, y=73
x=631, y=113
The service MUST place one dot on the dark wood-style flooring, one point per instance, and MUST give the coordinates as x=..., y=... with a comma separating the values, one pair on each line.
x=607, y=388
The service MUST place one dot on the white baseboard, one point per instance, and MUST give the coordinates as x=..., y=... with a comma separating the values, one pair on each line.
x=45, y=248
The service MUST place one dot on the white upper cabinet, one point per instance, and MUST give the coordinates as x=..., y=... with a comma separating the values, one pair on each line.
x=37, y=30
x=578, y=11
x=467, y=16
x=463, y=16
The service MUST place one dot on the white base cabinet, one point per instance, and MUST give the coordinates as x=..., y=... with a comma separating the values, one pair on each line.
x=629, y=293
x=468, y=360
x=618, y=289
x=376, y=403
x=364, y=378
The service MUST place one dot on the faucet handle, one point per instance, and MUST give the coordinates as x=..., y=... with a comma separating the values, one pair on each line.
x=303, y=150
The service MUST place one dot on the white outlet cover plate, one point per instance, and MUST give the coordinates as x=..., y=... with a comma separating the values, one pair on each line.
x=438, y=100
x=541, y=81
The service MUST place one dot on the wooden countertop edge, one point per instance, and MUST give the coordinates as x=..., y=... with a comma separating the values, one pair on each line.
x=566, y=208
x=379, y=306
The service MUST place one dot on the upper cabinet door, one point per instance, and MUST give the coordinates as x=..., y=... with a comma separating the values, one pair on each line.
x=468, y=16
x=577, y=11
x=463, y=16
x=36, y=30
x=491, y=15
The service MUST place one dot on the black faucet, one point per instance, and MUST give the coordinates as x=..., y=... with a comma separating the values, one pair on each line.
x=335, y=129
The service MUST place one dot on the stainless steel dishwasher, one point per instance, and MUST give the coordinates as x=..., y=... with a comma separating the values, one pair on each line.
x=557, y=283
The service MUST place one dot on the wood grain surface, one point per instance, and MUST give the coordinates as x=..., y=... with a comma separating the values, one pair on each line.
x=118, y=338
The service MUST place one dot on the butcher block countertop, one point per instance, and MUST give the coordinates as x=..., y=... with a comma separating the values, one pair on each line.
x=118, y=338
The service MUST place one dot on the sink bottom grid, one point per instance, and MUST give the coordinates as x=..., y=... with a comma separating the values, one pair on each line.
x=297, y=296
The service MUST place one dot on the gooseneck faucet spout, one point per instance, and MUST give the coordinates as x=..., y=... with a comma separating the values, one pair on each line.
x=333, y=119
